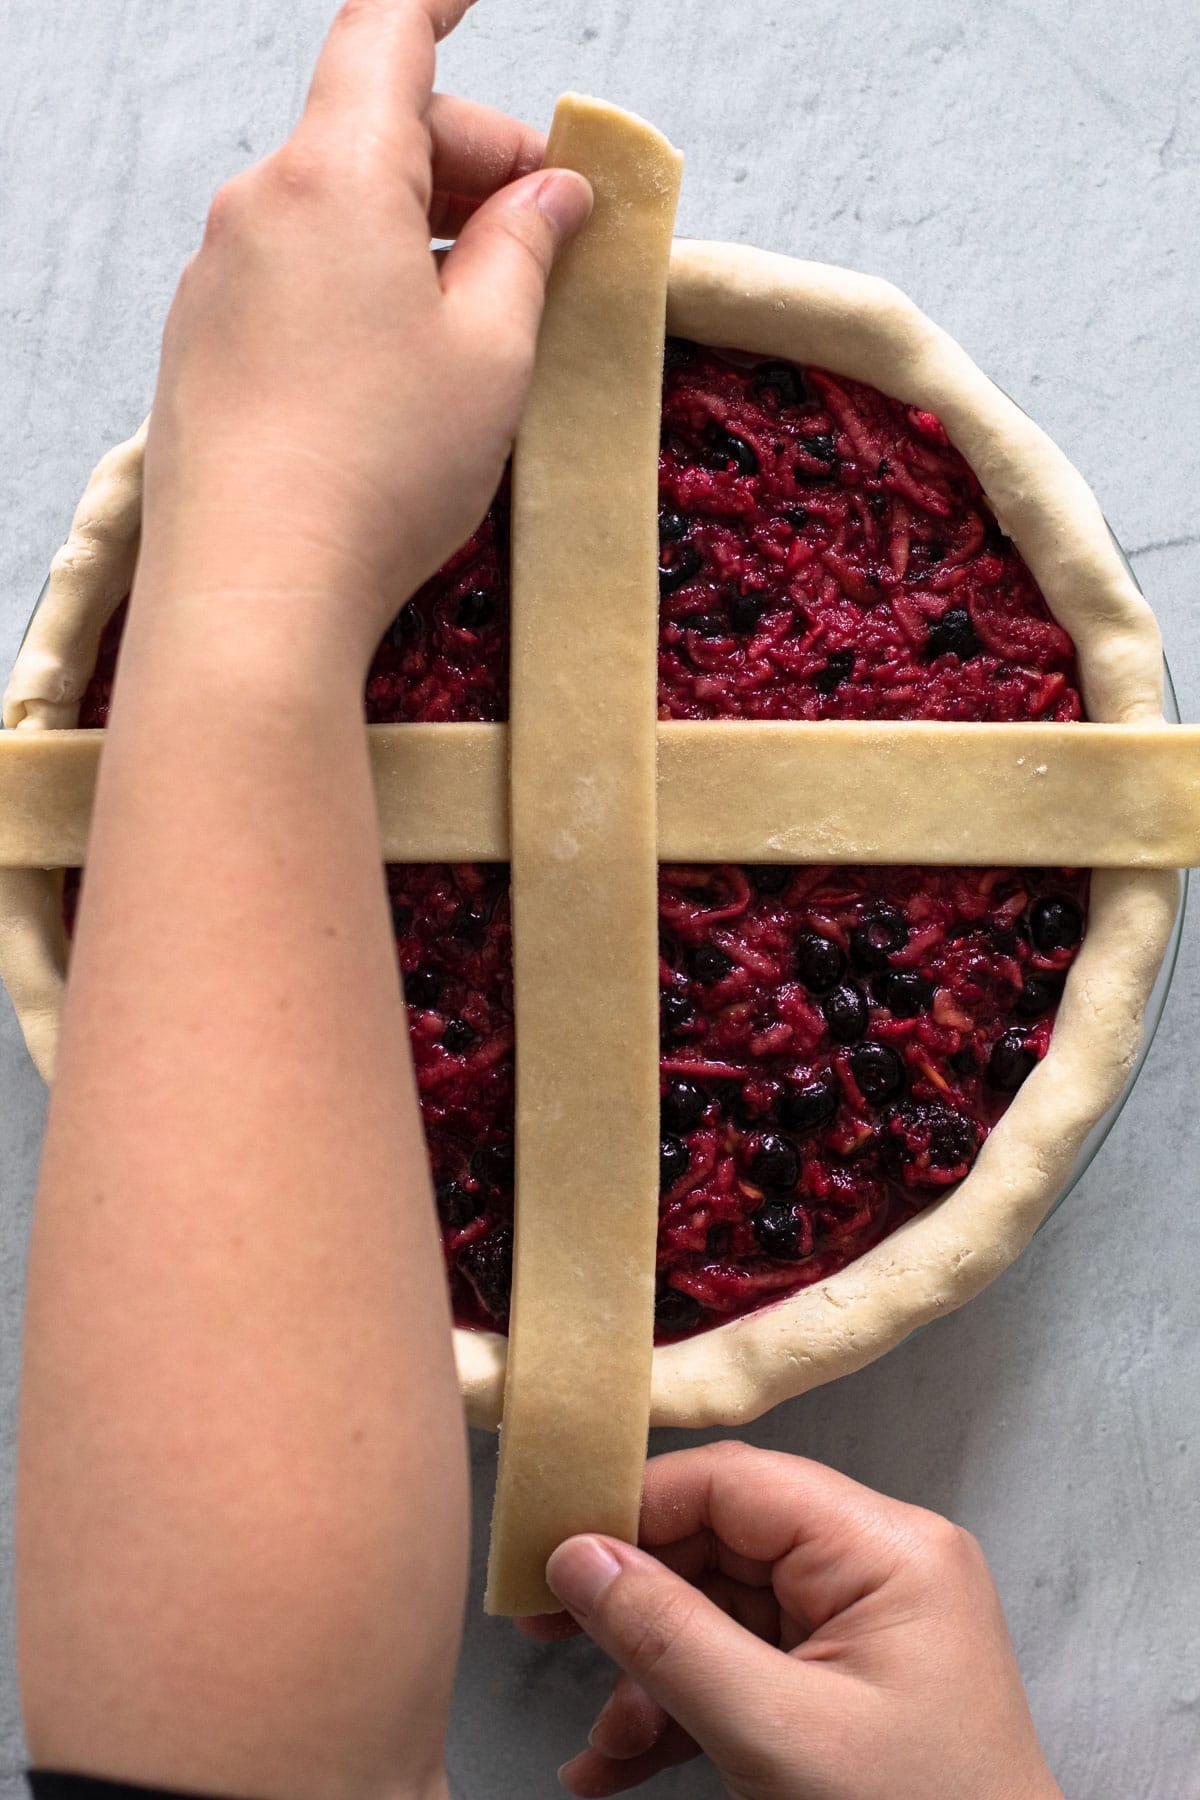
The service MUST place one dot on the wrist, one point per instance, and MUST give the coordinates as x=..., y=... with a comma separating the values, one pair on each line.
x=241, y=558
x=245, y=651
x=280, y=606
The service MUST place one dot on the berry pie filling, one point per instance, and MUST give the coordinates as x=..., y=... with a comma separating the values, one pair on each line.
x=836, y=1042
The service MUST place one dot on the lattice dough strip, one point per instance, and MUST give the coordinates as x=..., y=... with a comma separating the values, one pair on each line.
x=1088, y=796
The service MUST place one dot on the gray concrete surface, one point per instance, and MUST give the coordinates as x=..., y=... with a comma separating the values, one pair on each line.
x=1031, y=175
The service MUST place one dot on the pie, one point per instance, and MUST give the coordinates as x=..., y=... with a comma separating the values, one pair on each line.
x=837, y=1043
x=874, y=1076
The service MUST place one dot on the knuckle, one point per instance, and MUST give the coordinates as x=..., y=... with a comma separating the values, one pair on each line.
x=941, y=1545
x=517, y=227
x=656, y=1629
x=354, y=12
x=227, y=209
x=295, y=174
x=731, y=1450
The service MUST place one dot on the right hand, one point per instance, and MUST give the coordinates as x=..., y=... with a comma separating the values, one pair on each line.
x=334, y=406
x=816, y=1640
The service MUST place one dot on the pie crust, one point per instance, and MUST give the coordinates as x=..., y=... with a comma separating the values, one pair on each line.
x=861, y=327
x=1101, y=796
x=584, y=860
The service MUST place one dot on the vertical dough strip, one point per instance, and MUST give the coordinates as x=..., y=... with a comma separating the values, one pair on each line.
x=584, y=867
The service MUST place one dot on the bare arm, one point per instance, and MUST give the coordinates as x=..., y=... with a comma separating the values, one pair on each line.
x=242, y=1512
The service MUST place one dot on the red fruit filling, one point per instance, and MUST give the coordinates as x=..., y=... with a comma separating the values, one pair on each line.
x=836, y=1042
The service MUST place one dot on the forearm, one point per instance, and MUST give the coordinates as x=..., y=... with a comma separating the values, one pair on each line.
x=237, y=1351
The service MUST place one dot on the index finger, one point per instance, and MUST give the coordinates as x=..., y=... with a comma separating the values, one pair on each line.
x=477, y=149
x=375, y=72
x=829, y=1540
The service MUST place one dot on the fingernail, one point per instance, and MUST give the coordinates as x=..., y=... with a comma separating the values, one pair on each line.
x=566, y=200
x=634, y=1738
x=598, y=1727
x=579, y=1571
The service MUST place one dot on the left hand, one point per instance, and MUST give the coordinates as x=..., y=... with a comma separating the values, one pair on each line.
x=336, y=426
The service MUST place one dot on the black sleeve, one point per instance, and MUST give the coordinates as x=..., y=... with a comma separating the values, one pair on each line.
x=45, y=1785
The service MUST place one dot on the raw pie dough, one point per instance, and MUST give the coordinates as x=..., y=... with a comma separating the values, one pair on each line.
x=585, y=868
x=854, y=325
x=824, y=790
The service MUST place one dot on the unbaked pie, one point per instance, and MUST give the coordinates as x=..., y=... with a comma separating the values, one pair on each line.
x=874, y=1075
x=836, y=1043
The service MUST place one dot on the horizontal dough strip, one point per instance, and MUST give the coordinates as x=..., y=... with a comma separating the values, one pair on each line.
x=1089, y=796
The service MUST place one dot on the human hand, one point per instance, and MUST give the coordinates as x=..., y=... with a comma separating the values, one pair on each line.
x=334, y=409
x=816, y=1640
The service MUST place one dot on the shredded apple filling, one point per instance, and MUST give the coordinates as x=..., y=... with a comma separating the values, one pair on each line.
x=836, y=1042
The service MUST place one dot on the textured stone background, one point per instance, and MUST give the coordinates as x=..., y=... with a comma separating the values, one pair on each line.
x=1031, y=175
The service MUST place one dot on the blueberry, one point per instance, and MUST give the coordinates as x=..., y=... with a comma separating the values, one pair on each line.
x=878, y=936
x=952, y=635
x=963, y=1062
x=470, y=922
x=1010, y=1062
x=733, y=454
x=732, y=1103
x=744, y=613
x=782, y=1231
x=878, y=1070
x=797, y=516
x=457, y=1036
x=494, y=1164
x=671, y=525
x=423, y=987
x=487, y=1265
x=928, y=1129
x=709, y=625
x=676, y=1311
x=769, y=878
x=674, y=1012
x=408, y=627
x=1038, y=995
x=953, y=1138
x=456, y=1207
x=774, y=1162
x=1055, y=924
x=822, y=448
x=781, y=379
x=708, y=964
x=678, y=353
x=904, y=992
x=846, y=1014
x=820, y=965
x=805, y=1108
x=838, y=668
x=687, y=564
x=674, y=1159
x=683, y=1105
x=475, y=609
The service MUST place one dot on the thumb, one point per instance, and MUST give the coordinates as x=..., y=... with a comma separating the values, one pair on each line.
x=712, y=1676
x=507, y=248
